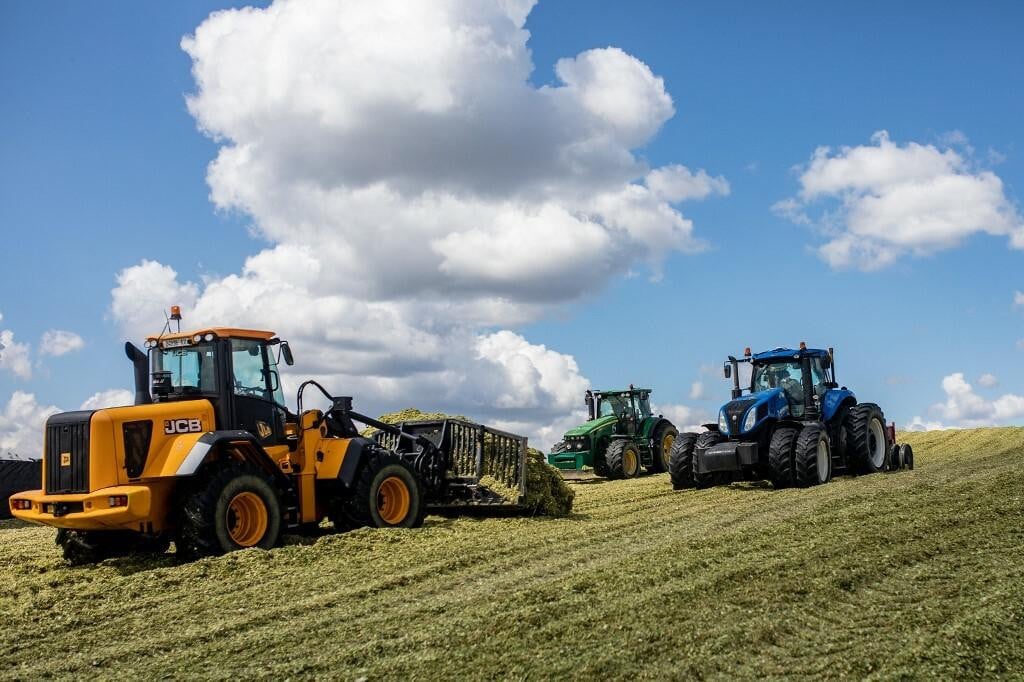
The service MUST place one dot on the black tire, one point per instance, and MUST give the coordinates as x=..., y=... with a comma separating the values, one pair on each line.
x=895, y=458
x=680, y=464
x=781, y=452
x=660, y=455
x=867, y=447
x=386, y=493
x=907, y=456
x=82, y=547
x=600, y=459
x=623, y=459
x=209, y=521
x=813, y=456
x=706, y=439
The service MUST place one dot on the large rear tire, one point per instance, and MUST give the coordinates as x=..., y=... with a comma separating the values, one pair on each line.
x=813, y=456
x=386, y=494
x=680, y=465
x=867, y=446
x=230, y=506
x=781, y=450
x=664, y=438
x=707, y=439
x=623, y=459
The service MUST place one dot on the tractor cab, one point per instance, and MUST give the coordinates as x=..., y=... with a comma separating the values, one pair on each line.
x=630, y=408
x=236, y=370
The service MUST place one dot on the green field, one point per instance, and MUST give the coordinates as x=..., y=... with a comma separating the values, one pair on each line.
x=916, y=574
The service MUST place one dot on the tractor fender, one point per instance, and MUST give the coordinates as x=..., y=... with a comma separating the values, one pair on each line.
x=835, y=399
x=243, y=441
x=652, y=425
x=355, y=454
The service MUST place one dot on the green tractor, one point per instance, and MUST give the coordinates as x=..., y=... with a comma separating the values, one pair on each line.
x=620, y=437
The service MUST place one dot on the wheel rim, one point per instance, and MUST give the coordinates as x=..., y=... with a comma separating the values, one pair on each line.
x=824, y=460
x=876, y=443
x=666, y=447
x=393, y=500
x=629, y=462
x=247, y=519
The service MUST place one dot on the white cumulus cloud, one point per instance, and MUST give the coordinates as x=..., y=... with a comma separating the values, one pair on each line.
x=114, y=397
x=15, y=357
x=684, y=417
x=963, y=407
x=21, y=425
x=57, y=342
x=422, y=197
x=988, y=380
x=882, y=201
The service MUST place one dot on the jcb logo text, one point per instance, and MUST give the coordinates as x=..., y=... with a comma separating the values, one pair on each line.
x=172, y=426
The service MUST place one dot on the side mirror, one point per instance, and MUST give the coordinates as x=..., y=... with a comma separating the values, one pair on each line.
x=286, y=352
x=727, y=371
x=826, y=362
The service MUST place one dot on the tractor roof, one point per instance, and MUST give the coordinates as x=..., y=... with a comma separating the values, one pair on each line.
x=786, y=354
x=622, y=390
x=230, y=332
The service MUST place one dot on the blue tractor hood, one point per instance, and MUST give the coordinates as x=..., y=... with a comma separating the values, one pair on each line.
x=769, y=403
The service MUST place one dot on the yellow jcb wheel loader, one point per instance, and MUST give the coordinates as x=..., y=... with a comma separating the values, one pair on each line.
x=211, y=458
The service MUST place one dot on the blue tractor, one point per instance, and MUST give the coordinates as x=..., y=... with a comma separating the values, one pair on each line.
x=795, y=426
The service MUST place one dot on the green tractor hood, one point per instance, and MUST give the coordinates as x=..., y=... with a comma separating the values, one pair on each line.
x=589, y=427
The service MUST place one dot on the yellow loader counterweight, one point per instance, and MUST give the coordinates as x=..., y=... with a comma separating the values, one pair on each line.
x=211, y=458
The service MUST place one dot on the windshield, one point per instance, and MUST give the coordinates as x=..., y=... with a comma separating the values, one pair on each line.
x=193, y=368
x=615, y=405
x=775, y=375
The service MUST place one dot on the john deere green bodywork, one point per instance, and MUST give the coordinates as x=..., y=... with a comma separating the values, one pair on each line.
x=622, y=417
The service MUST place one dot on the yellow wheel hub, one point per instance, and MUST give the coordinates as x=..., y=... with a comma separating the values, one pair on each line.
x=666, y=447
x=247, y=519
x=629, y=462
x=393, y=500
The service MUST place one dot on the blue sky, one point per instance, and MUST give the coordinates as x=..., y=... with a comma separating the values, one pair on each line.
x=102, y=166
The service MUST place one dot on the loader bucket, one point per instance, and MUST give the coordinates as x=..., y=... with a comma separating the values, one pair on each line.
x=485, y=467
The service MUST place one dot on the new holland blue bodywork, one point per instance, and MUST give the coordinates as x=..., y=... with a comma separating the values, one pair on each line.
x=772, y=403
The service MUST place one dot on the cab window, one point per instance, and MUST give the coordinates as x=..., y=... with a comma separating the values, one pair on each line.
x=247, y=365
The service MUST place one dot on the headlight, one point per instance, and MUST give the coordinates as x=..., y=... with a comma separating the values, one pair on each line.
x=750, y=419
x=723, y=423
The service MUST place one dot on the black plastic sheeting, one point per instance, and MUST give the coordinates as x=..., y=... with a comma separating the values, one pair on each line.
x=17, y=475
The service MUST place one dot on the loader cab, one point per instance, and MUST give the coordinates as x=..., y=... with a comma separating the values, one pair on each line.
x=235, y=369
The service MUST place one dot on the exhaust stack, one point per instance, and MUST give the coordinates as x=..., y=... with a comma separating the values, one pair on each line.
x=141, y=364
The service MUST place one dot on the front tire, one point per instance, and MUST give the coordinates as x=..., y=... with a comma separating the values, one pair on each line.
x=623, y=459
x=707, y=439
x=230, y=506
x=664, y=438
x=867, y=446
x=386, y=494
x=81, y=547
x=680, y=465
x=780, y=456
x=813, y=456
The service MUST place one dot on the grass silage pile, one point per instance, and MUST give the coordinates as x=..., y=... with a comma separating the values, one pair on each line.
x=546, y=493
x=910, y=575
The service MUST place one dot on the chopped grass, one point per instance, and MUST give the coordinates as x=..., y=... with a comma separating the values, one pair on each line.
x=910, y=574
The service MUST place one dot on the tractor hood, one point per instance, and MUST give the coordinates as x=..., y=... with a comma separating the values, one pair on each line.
x=770, y=403
x=589, y=427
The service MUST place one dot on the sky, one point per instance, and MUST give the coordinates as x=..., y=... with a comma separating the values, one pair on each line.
x=487, y=207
